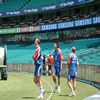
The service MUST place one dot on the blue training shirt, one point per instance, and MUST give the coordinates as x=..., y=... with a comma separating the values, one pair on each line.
x=73, y=63
x=57, y=57
x=38, y=56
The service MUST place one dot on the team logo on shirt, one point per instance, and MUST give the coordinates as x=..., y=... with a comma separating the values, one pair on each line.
x=55, y=57
x=74, y=57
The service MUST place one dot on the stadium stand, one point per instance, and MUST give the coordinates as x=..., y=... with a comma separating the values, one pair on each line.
x=12, y=5
x=86, y=55
x=34, y=3
x=68, y=14
x=66, y=37
x=42, y=21
x=44, y=18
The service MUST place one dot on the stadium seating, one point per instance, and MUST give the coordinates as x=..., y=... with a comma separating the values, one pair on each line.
x=34, y=3
x=20, y=53
x=18, y=4
x=27, y=23
x=12, y=5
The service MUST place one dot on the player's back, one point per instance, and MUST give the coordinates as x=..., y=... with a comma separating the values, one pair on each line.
x=73, y=61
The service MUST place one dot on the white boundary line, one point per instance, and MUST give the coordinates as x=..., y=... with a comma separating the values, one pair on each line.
x=51, y=89
x=44, y=81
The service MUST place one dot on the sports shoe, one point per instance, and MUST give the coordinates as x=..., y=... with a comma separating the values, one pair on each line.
x=55, y=88
x=72, y=94
x=41, y=94
x=40, y=97
x=59, y=90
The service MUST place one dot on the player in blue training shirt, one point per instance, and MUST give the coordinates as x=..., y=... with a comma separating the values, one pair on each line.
x=72, y=64
x=37, y=57
x=57, y=67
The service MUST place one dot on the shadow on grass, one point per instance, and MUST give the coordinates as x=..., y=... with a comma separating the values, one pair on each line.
x=63, y=95
x=47, y=91
x=34, y=97
x=29, y=97
x=2, y=80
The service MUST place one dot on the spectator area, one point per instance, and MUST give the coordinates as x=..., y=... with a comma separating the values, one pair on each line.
x=87, y=55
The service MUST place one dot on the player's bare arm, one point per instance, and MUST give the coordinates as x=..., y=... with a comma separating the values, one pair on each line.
x=68, y=66
x=61, y=66
x=52, y=65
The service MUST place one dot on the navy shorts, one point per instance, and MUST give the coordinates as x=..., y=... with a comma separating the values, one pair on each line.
x=38, y=69
x=69, y=77
x=56, y=70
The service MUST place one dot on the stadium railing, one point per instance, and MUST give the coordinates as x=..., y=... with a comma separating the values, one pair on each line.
x=86, y=73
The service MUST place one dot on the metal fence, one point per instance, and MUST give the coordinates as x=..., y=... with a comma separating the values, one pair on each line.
x=86, y=73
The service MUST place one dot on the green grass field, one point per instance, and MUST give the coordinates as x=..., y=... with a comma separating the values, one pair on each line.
x=20, y=86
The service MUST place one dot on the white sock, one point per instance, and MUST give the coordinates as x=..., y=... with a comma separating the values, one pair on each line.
x=58, y=87
x=38, y=84
x=41, y=88
x=55, y=85
x=72, y=91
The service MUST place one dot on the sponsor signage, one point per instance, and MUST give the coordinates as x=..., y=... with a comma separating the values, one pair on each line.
x=70, y=24
x=8, y=31
x=66, y=3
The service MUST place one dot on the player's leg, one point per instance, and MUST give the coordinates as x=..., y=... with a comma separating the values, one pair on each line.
x=40, y=87
x=58, y=73
x=44, y=69
x=74, y=85
x=53, y=75
x=49, y=70
x=58, y=80
x=35, y=80
x=35, y=75
x=70, y=85
x=59, y=83
x=54, y=78
x=39, y=82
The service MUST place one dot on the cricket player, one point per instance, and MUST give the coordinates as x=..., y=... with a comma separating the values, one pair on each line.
x=72, y=64
x=37, y=57
x=57, y=67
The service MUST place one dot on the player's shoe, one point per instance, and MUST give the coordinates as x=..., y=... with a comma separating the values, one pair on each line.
x=72, y=94
x=55, y=88
x=59, y=90
x=40, y=97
